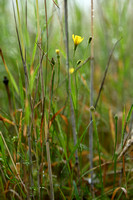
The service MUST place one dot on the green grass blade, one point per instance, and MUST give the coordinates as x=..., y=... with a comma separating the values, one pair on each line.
x=98, y=148
x=123, y=130
x=13, y=82
x=32, y=79
x=21, y=91
x=76, y=146
x=76, y=191
x=34, y=50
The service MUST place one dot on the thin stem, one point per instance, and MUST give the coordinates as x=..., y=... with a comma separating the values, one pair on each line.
x=58, y=60
x=46, y=19
x=69, y=89
x=47, y=127
x=20, y=48
x=116, y=120
x=98, y=148
x=26, y=22
x=91, y=96
x=105, y=73
x=42, y=91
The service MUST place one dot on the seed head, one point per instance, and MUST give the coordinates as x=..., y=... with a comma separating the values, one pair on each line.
x=5, y=80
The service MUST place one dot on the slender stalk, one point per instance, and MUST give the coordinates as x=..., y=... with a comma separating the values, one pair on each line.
x=44, y=88
x=58, y=60
x=41, y=71
x=34, y=128
x=42, y=118
x=49, y=162
x=46, y=19
x=98, y=147
x=42, y=95
x=26, y=22
x=20, y=48
x=29, y=127
x=115, y=165
x=105, y=73
x=69, y=89
x=47, y=127
x=116, y=120
x=38, y=26
x=20, y=28
x=91, y=96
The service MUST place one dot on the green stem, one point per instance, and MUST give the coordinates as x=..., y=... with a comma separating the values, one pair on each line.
x=98, y=147
x=58, y=60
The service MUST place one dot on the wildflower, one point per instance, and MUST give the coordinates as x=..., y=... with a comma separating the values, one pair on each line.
x=57, y=51
x=77, y=40
x=71, y=70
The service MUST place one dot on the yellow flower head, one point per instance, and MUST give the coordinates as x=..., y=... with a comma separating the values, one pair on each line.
x=77, y=40
x=71, y=70
x=57, y=51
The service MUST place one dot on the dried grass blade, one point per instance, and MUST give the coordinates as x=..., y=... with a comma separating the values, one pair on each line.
x=116, y=190
x=54, y=116
x=6, y=120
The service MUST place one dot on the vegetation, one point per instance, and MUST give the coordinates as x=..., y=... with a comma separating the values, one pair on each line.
x=66, y=83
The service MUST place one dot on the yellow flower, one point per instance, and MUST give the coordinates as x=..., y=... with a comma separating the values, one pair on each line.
x=71, y=70
x=77, y=40
x=57, y=51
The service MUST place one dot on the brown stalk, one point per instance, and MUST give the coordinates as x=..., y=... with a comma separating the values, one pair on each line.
x=45, y=54
x=55, y=3
x=14, y=193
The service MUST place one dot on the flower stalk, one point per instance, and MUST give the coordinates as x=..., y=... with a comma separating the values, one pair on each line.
x=91, y=97
x=58, y=62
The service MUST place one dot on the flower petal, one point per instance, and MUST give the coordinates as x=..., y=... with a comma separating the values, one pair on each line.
x=73, y=37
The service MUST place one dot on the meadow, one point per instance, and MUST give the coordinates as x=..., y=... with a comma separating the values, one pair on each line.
x=66, y=99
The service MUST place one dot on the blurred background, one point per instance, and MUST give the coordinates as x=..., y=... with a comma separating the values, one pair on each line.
x=112, y=20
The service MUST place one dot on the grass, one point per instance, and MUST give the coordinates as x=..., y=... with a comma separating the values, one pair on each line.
x=45, y=109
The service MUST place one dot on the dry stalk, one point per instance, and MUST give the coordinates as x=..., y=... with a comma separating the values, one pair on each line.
x=127, y=148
